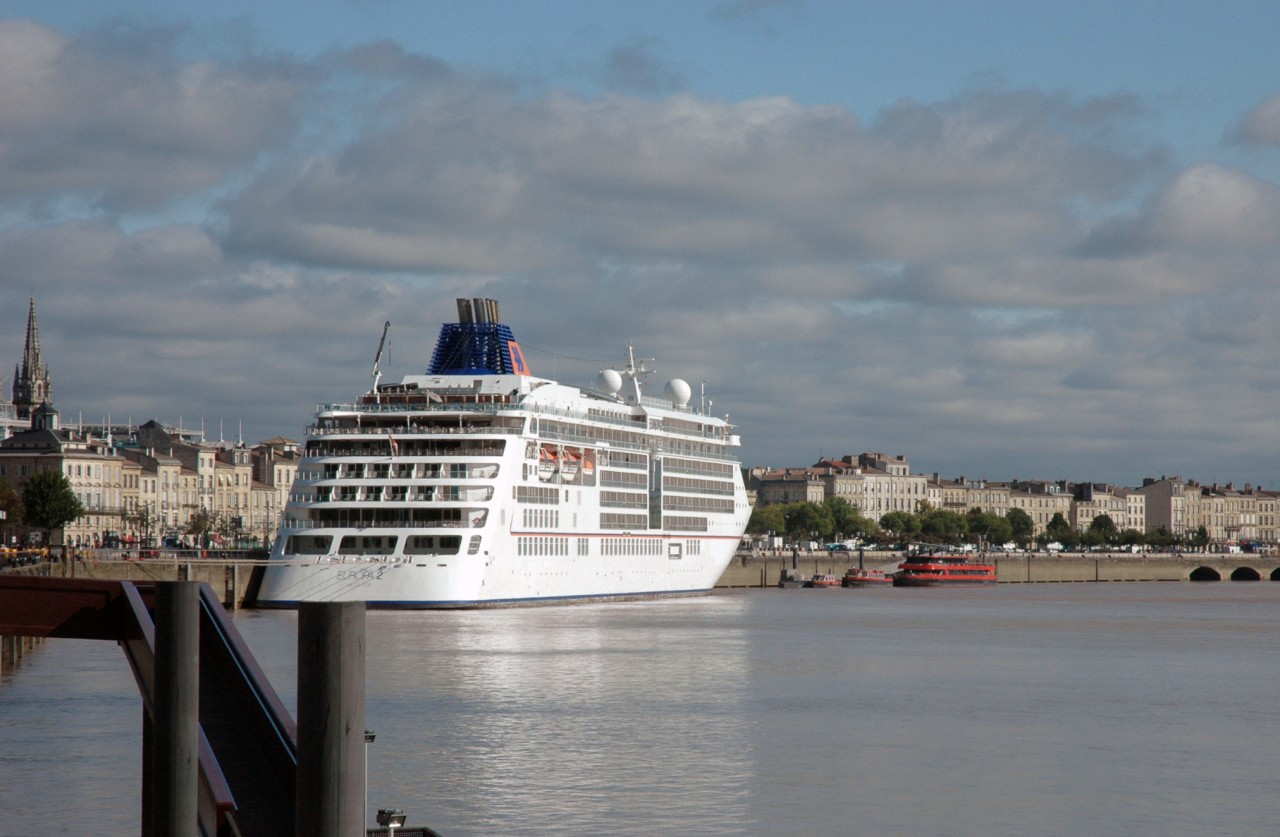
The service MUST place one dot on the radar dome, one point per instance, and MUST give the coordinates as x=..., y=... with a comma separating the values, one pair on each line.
x=678, y=391
x=610, y=381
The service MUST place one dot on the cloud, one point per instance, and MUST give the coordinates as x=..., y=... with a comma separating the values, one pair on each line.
x=1210, y=206
x=1004, y=280
x=466, y=178
x=95, y=119
x=636, y=68
x=89, y=254
x=1261, y=126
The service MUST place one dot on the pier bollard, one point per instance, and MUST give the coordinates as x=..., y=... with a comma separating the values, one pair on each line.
x=174, y=759
x=331, y=699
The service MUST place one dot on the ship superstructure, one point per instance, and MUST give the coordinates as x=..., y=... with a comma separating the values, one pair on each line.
x=479, y=484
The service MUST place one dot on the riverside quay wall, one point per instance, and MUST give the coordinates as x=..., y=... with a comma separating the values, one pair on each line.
x=234, y=580
x=1013, y=568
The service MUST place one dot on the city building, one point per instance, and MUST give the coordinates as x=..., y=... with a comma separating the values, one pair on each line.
x=961, y=495
x=149, y=483
x=790, y=485
x=143, y=485
x=95, y=473
x=877, y=484
x=1171, y=505
x=1093, y=500
x=1042, y=501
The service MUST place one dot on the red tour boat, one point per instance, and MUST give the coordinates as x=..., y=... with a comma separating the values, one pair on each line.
x=942, y=570
x=866, y=578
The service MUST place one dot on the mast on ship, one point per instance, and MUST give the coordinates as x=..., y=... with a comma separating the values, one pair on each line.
x=632, y=374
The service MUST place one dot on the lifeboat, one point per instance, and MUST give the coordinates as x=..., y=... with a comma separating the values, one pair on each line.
x=569, y=462
x=548, y=462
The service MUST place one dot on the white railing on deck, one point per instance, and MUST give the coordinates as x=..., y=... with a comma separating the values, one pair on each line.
x=718, y=435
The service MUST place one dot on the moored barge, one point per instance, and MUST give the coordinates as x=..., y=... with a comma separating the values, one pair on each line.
x=943, y=570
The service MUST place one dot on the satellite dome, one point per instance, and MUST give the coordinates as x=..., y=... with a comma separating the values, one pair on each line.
x=678, y=391
x=610, y=381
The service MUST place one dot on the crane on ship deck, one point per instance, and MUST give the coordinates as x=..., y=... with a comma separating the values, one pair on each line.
x=377, y=360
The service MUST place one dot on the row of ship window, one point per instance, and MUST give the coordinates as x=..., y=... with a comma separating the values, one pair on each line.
x=551, y=545
x=523, y=494
x=374, y=544
x=430, y=470
x=550, y=519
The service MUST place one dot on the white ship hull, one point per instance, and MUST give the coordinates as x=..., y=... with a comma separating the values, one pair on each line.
x=498, y=581
x=493, y=488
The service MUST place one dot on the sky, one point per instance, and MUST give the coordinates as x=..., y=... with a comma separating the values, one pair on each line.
x=1007, y=239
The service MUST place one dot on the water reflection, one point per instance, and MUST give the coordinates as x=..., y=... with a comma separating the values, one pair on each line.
x=592, y=719
x=1014, y=710
x=70, y=742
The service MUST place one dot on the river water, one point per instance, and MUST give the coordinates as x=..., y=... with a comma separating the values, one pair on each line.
x=1087, y=709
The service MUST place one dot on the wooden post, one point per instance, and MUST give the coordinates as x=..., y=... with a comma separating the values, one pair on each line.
x=174, y=763
x=331, y=697
x=6, y=653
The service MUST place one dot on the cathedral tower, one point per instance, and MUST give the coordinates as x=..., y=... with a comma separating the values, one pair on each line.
x=31, y=385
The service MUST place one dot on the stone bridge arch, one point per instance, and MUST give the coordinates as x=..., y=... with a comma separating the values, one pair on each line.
x=1242, y=572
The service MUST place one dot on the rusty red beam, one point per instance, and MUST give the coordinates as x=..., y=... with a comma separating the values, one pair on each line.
x=75, y=608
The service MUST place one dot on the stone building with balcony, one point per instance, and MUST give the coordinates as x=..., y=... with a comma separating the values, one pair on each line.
x=1235, y=517
x=1125, y=507
x=243, y=490
x=873, y=483
x=961, y=495
x=1171, y=505
x=1231, y=517
x=1041, y=500
x=790, y=485
x=103, y=482
x=140, y=484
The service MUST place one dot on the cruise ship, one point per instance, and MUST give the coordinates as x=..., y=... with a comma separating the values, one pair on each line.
x=480, y=485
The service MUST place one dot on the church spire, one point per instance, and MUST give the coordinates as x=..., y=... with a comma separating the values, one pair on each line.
x=31, y=384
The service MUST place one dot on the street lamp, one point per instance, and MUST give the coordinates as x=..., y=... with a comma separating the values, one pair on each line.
x=392, y=818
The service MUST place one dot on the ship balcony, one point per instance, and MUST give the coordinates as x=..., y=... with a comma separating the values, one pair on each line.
x=429, y=495
x=365, y=518
x=399, y=494
x=674, y=448
x=339, y=452
x=293, y=525
x=403, y=431
x=424, y=407
x=334, y=474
